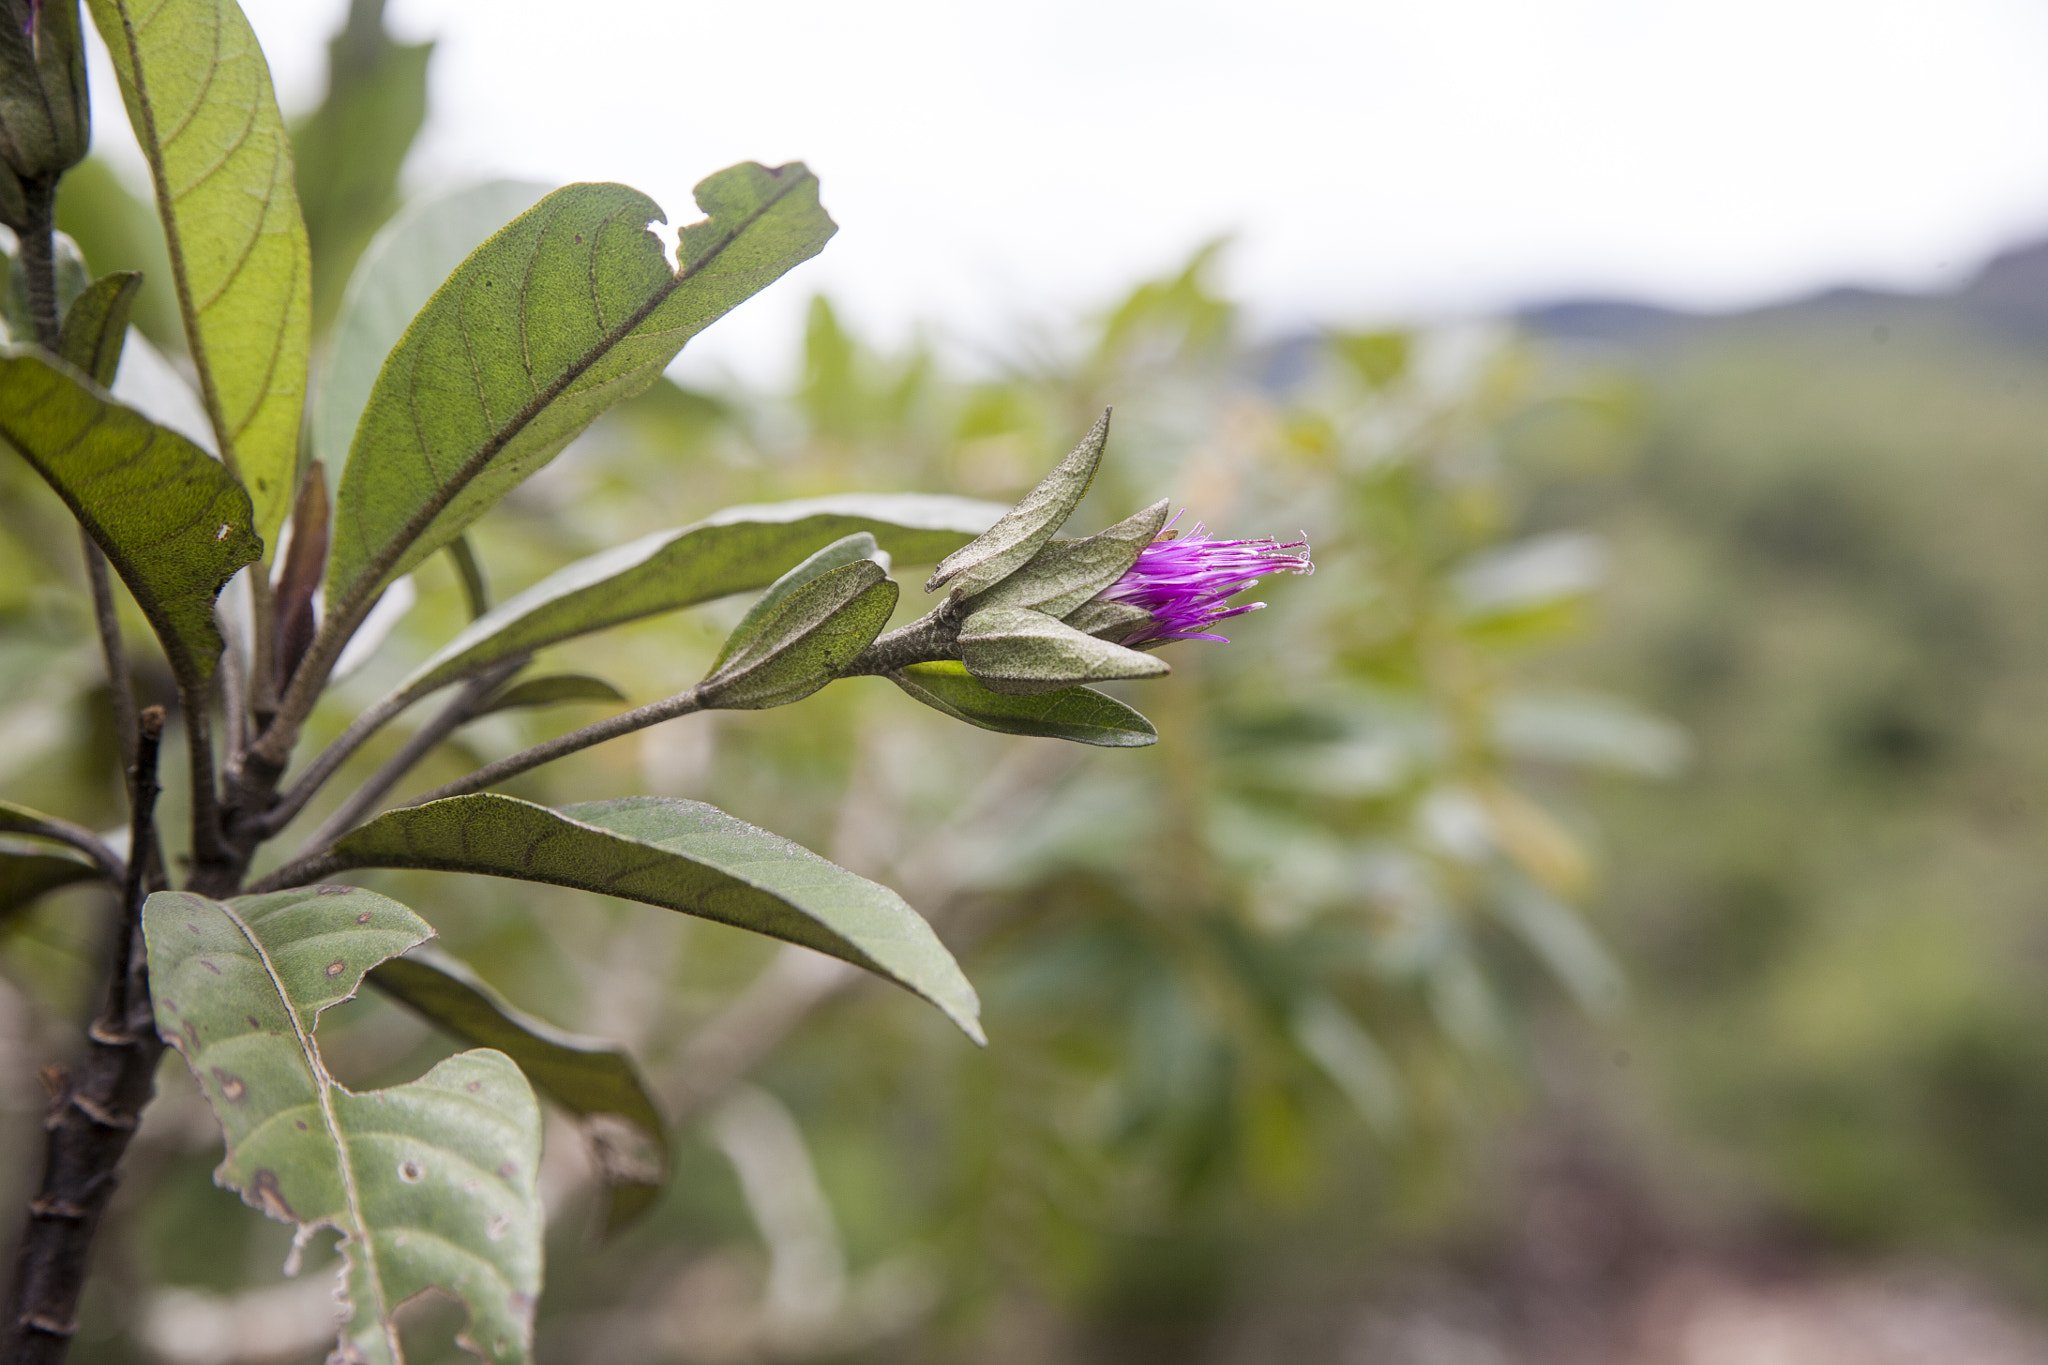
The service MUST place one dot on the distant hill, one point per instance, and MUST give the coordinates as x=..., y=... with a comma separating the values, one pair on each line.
x=2008, y=299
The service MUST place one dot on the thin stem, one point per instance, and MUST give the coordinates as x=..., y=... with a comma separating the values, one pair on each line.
x=234, y=701
x=105, y=617
x=625, y=723
x=416, y=748
x=39, y=257
x=472, y=573
x=331, y=758
x=215, y=867
x=94, y=1111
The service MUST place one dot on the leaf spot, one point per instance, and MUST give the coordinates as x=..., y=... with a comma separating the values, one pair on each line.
x=411, y=1172
x=333, y=890
x=208, y=963
x=264, y=1187
x=474, y=1086
x=363, y=918
x=472, y=1185
x=231, y=1088
x=222, y=533
x=336, y=967
x=508, y=1170
x=498, y=1227
x=194, y=928
x=253, y=1023
x=302, y=1125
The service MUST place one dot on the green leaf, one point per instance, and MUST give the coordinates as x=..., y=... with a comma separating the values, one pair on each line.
x=30, y=868
x=431, y=1183
x=200, y=101
x=591, y=1078
x=399, y=271
x=805, y=639
x=552, y=690
x=1023, y=652
x=683, y=855
x=738, y=549
x=1080, y=714
x=172, y=520
x=96, y=324
x=349, y=150
x=1067, y=573
x=1023, y=530
x=567, y=310
x=847, y=550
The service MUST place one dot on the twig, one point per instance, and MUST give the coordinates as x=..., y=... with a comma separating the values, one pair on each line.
x=93, y=1112
x=295, y=797
x=416, y=748
x=625, y=723
x=119, y=687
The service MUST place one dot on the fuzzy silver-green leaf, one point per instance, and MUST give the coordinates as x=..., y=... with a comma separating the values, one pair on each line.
x=1080, y=714
x=1067, y=573
x=1012, y=542
x=1021, y=652
x=804, y=640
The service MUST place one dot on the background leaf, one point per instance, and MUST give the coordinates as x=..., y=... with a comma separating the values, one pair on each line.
x=30, y=868
x=172, y=520
x=199, y=97
x=431, y=1183
x=1080, y=714
x=590, y=1077
x=683, y=855
x=567, y=310
x=349, y=150
x=735, y=550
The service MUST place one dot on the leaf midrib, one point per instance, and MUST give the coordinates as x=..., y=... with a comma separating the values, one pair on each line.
x=323, y=1084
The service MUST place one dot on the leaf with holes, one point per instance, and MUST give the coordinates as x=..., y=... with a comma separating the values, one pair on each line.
x=199, y=98
x=431, y=1183
x=683, y=855
x=173, y=522
x=568, y=309
x=737, y=550
x=591, y=1078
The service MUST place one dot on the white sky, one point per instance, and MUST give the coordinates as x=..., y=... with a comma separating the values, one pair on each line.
x=1375, y=159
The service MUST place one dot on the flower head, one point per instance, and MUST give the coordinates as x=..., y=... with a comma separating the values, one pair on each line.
x=1185, y=582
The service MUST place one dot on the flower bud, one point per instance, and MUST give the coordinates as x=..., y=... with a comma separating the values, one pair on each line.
x=45, y=120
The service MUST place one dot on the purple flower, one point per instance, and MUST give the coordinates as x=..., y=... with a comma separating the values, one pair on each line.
x=1185, y=582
